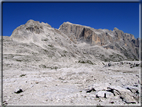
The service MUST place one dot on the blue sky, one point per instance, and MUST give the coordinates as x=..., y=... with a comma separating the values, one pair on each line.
x=124, y=16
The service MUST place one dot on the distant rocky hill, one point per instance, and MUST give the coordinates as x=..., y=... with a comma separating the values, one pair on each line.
x=71, y=43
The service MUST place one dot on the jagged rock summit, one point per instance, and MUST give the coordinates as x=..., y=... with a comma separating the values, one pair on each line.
x=25, y=32
x=115, y=29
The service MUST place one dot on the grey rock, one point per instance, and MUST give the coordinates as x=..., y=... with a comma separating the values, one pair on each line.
x=109, y=64
x=104, y=94
x=17, y=91
x=113, y=90
x=128, y=98
x=124, y=94
x=133, y=89
x=90, y=90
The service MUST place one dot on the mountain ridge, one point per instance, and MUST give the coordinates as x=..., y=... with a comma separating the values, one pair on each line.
x=74, y=34
x=102, y=37
x=115, y=28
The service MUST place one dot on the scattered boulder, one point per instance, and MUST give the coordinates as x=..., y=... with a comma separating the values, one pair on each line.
x=121, y=63
x=133, y=89
x=134, y=65
x=137, y=65
x=126, y=94
x=17, y=91
x=86, y=61
x=135, y=92
x=104, y=94
x=109, y=64
x=4, y=104
x=42, y=66
x=131, y=65
x=113, y=90
x=128, y=98
x=97, y=96
x=90, y=90
x=22, y=75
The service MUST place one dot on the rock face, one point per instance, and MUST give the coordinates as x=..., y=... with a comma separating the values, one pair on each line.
x=116, y=39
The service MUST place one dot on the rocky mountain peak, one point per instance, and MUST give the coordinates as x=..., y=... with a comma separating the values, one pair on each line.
x=36, y=23
x=28, y=30
x=32, y=22
x=67, y=22
x=115, y=29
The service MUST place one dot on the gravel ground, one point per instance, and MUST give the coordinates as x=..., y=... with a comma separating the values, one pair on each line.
x=70, y=85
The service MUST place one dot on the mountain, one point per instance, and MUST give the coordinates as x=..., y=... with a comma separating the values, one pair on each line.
x=72, y=65
x=72, y=43
x=116, y=39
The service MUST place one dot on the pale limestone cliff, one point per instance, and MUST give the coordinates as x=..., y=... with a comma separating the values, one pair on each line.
x=116, y=39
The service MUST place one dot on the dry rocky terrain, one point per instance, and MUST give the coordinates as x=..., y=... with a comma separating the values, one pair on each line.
x=69, y=66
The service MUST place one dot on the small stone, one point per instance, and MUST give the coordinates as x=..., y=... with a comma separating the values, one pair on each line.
x=17, y=91
x=111, y=102
x=97, y=96
x=90, y=90
x=37, y=82
x=109, y=64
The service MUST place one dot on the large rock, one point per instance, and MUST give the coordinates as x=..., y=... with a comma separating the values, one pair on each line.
x=128, y=97
x=125, y=94
x=104, y=94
